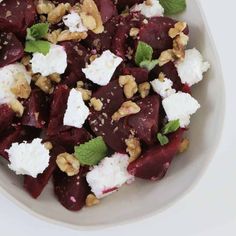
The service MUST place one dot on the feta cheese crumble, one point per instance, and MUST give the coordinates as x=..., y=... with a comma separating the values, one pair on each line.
x=28, y=158
x=192, y=68
x=149, y=8
x=74, y=22
x=76, y=112
x=109, y=175
x=101, y=70
x=8, y=79
x=54, y=62
x=163, y=88
x=180, y=106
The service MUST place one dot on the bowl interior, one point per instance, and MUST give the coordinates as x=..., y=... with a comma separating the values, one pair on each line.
x=143, y=197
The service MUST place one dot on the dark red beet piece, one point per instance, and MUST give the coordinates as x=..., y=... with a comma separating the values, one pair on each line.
x=35, y=186
x=140, y=74
x=146, y=122
x=71, y=191
x=6, y=117
x=11, y=49
x=36, y=110
x=71, y=138
x=58, y=108
x=114, y=133
x=16, y=16
x=107, y=9
x=154, y=163
x=76, y=58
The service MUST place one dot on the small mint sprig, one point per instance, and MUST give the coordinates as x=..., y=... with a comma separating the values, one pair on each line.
x=170, y=127
x=143, y=56
x=172, y=7
x=33, y=39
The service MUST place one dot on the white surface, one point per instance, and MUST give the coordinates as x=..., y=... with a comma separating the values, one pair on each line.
x=210, y=209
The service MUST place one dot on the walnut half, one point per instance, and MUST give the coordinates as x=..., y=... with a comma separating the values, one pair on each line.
x=129, y=84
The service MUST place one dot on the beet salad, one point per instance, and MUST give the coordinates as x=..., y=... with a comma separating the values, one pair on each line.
x=94, y=93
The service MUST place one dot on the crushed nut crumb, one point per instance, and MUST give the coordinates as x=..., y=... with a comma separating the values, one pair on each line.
x=183, y=145
x=96, y=104
x=44, y=6
x=44, y=84
x=129, y=85
x=48, y=145
x=17, y=107
x=91, y=200
x=144, y=89
x=133, y=148
x=134, y=32
x=86, y=94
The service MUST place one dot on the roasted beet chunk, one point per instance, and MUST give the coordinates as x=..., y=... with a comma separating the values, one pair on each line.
x=106, y=8
x=11, y=49
x=36, y=110
x=35, y=186
x=114, y=133
x=140, y=74
x=154, y=163
x=71, y=191
x=6, y=117
x=16, y=16
x=71, y=138
x=58, y=108
x=145, y=123
x=76, y=59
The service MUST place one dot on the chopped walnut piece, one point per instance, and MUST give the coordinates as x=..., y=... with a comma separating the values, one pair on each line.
x=179, y=27
x=25, y=60
x=53, y=36
x=162, y=77
x=133, y=148
x=48, y=145
x=44, y=6
x=66, y=35
x=68, y=164
x=44, y=84
x=166, y=56
x=129, y=84
x=21, y=87
x=144, y=89
x=183, y=145
x=86, y=94
x=126, y=109
x=80, y=84
x=96, y=104
x=91, y=200
x=55, y=77
x=56, y=14
x=93, y=58
x=134, y=32
x=179, y=44
x=17, y=107
x=91, y=16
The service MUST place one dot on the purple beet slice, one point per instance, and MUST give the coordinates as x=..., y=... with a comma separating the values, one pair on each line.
x=16, y=16
x=11, y=49
x=107, y=9
x=76, y=59
x=140, y=74
x=6, y=117
x=71, y=191
x=154, y=163
x=114, y=133
x=35, y=186
x=36, y=110
x=58, y=108
x=146, y=122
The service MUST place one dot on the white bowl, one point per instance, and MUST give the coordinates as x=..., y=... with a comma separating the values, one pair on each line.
x=144, y=198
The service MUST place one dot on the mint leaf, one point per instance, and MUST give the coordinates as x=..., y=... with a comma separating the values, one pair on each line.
x=171, y=127
x=162, y=139
x=149, y=65
x=143, y=53
x=37, y=31
x=37, y=46
x=173, y=6
x=92, y=152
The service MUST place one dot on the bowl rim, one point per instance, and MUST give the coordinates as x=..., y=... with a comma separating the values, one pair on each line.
x=135, y=219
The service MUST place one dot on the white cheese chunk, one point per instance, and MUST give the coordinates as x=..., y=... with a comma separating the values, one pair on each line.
x=109, y=175
x=74, y=22
x=8, y=79
x=54, y=62
x=192, y=68
x=101, y=70
x=76, y=112
x=149, y=10
x=180, y=106
x=163, y=88
x=28, y=158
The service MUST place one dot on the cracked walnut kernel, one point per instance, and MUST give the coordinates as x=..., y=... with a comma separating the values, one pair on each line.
x=66, y=35
x=44, y=84
x=133, y=148
x=68, y=163
x=129, y=84
x=44, y=6
x=183, y=145
x=179, y=27
x=56, y=14
x=96, y=104
x=91, y=200
x=126, y=109
x=144, y=89
x=166, y=56
x=17, y=107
